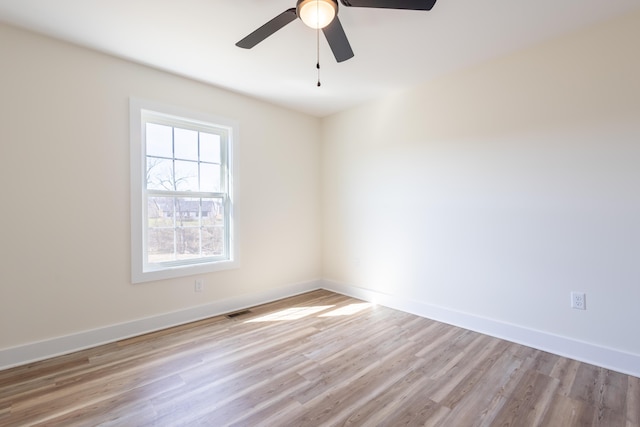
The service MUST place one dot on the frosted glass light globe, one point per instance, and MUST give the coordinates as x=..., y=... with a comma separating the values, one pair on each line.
x=317, y=13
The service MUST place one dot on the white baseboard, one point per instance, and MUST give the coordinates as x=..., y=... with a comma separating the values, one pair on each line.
x=33, y=352
x=593, y=354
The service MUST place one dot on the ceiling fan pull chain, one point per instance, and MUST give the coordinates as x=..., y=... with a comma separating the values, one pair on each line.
x=318, y=54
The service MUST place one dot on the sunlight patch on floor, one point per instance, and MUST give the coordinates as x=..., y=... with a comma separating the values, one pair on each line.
x=347, y=310
x=293, y=313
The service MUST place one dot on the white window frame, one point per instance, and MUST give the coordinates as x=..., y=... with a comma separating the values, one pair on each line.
x=142, y=271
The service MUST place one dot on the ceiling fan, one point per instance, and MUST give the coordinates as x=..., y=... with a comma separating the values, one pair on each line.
x=323, y=14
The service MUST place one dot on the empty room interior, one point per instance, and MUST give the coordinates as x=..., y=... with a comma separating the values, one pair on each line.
x=423, y=213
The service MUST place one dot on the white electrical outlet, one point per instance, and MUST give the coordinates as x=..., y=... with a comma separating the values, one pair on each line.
x=578, y=301
x=199, y=285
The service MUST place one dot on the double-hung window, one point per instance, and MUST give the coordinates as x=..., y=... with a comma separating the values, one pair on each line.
x=182, y=192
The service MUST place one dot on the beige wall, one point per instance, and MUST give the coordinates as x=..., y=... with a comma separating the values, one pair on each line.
x=64, y=149
x=498, y=190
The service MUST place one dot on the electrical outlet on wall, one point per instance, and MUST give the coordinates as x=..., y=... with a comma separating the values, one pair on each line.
x=578, y=300
x=199, y=285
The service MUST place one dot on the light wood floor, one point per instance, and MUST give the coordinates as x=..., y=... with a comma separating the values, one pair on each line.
x=313, y=360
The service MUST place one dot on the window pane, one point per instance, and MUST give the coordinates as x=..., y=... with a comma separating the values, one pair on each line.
x=159, y=140
x=212, y=212
x=186, y=144
x=187, y=212
x=212, y=241
x=160, y=245
x=187, y=242
x=160, y=211
x=159, y=174
x=209, y=147
x=186, y=176
x=160, y=238
x=209, y=177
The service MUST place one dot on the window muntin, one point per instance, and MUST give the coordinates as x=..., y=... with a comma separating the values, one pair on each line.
x=185, y=214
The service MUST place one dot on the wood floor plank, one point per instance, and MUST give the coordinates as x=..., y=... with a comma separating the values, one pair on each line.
x=529, y=402
x=633, y=401
x=316, y=359
x=478, y=402
x=110, y=409
x=612, y=392
x=566, y=371
x=399, y=404
x=564, y=411
x=389, y=370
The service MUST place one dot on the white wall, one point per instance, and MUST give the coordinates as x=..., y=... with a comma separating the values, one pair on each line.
x=494, y=192
x=64, y=221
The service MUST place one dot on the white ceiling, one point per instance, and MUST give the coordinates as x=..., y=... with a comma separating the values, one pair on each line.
x=394, y=49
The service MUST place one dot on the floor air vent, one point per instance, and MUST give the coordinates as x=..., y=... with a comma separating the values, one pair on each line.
x=237, y=314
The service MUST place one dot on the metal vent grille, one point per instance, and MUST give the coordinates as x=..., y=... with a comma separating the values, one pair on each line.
x=237, y=313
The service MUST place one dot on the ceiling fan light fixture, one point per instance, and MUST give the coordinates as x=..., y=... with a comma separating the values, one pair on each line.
x=317, y=13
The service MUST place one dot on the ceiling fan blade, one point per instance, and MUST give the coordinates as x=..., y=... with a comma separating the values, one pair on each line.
x=337, y=40
x=268, y=29
x=392, y=4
